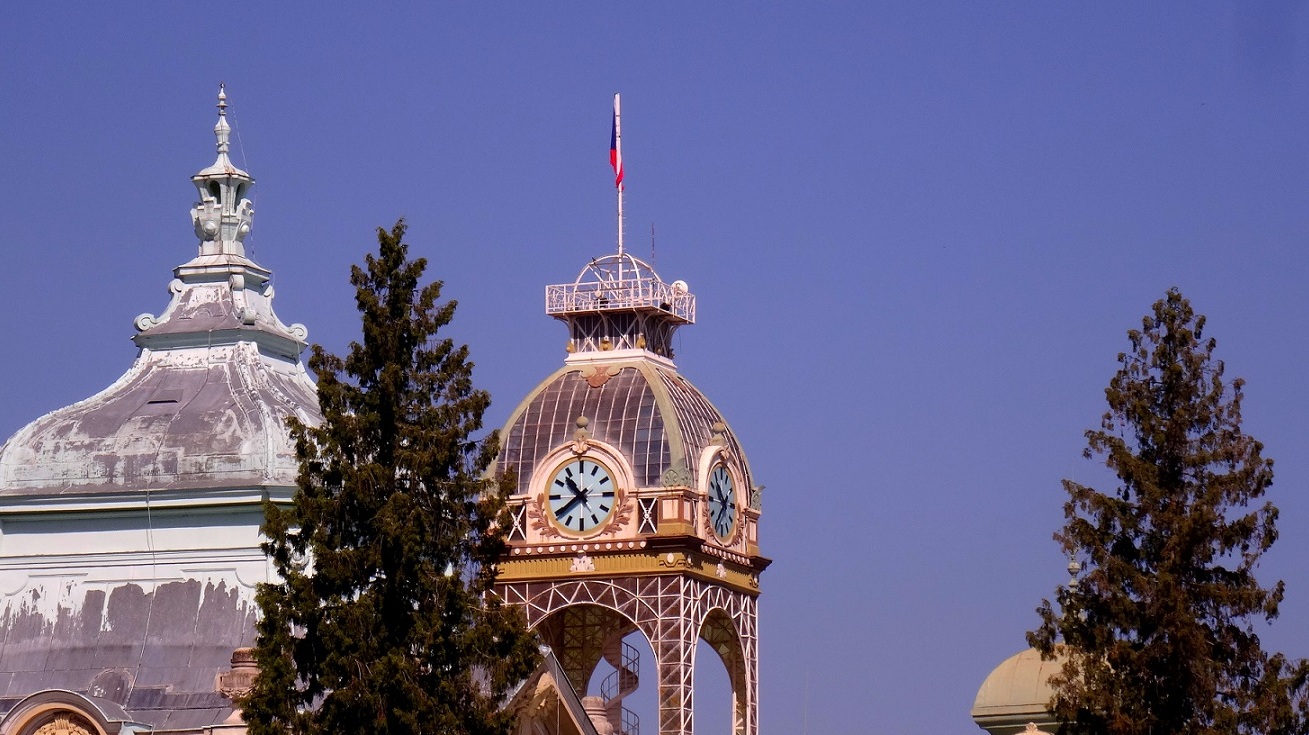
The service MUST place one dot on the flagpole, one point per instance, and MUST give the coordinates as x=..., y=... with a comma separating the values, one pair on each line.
x=618, y=147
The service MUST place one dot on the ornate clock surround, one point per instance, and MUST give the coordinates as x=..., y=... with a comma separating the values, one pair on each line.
x=538, y=510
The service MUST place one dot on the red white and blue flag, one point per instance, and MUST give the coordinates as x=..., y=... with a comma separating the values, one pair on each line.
x=616, y=148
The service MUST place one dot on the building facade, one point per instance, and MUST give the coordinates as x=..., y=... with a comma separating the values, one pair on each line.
x=129, y=521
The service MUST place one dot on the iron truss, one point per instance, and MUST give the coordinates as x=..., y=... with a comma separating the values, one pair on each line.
x=579, y=618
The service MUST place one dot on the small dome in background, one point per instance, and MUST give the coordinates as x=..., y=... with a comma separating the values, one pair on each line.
x=1017, y=694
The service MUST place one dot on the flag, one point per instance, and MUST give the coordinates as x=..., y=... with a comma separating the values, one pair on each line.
x=616, y=148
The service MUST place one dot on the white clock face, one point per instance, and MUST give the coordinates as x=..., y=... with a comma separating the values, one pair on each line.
x=722, y=503
x=581, y=495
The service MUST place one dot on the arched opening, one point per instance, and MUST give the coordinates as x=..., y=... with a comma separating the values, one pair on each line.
x=603, y=654
x=640, y=693
x=54, y=712
x=714, y=711
x=719, y=677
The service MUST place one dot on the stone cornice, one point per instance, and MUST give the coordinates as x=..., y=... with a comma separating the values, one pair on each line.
x=217, y=499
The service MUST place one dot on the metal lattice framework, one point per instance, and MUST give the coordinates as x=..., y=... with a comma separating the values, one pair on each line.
x=577, y=618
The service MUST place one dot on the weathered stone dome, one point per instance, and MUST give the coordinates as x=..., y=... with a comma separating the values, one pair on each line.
x=178, y=419
x=131, y=519
x=206, y=401
x=1016, y=693
x=633, y=401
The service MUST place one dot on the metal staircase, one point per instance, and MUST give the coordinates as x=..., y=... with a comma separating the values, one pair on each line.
x=626, y=661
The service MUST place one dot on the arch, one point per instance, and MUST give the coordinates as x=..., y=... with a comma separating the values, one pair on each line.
x=671, y=611
x=579, y=635
x=582, y=635
x=720, y=633
x=61, y=712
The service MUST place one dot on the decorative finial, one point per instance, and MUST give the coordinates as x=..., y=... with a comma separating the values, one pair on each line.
x=719, y=431
x=224, y=213
x=1073, y=569
x=581, y=437
x=222, y=131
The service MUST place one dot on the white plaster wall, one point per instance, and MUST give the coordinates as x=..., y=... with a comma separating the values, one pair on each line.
x=49, y=561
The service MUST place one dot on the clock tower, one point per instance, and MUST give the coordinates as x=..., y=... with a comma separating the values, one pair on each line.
x=635, y=509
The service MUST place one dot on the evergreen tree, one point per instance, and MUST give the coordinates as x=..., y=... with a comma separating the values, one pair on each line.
x=1158, y=634
x=382, y=622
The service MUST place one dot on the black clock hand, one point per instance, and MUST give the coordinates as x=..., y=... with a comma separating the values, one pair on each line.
x=569, y=505
x=578, y=496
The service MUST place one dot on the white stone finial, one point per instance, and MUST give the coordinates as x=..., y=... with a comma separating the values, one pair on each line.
x=221, y=130
x=224, y=213
x=1073, y=569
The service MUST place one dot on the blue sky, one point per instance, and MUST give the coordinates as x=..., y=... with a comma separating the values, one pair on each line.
x=918, y=234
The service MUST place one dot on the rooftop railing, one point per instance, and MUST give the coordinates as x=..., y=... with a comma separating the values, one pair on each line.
x=626, y=294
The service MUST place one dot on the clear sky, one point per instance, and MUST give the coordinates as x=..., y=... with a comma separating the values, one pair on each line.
x=918, y=234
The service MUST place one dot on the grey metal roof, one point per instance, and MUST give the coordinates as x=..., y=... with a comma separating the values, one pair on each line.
x=204, y=405
x=199, y=418
x=154, y=653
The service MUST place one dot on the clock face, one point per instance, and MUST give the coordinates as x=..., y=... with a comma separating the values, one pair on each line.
x=581, y=495
x=722, y=503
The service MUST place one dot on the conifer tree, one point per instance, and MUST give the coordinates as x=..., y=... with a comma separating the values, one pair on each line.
x=382, y=622
x=1158, y=634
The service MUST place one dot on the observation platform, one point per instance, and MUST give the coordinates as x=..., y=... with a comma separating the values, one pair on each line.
x=620, y=283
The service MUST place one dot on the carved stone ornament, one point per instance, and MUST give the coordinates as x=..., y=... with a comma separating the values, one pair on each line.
x=240, y=679
x=144, y=321
x=719, y=431
x=677, y=475
x=540, y=524
x=675, y=561
x=582, y=563
x=581, y=437
x=205, y=215
x=720, y=571
x=598, y=375
x=65, y=723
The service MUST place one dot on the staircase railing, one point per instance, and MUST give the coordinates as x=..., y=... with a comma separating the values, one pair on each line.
x=624, y=679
